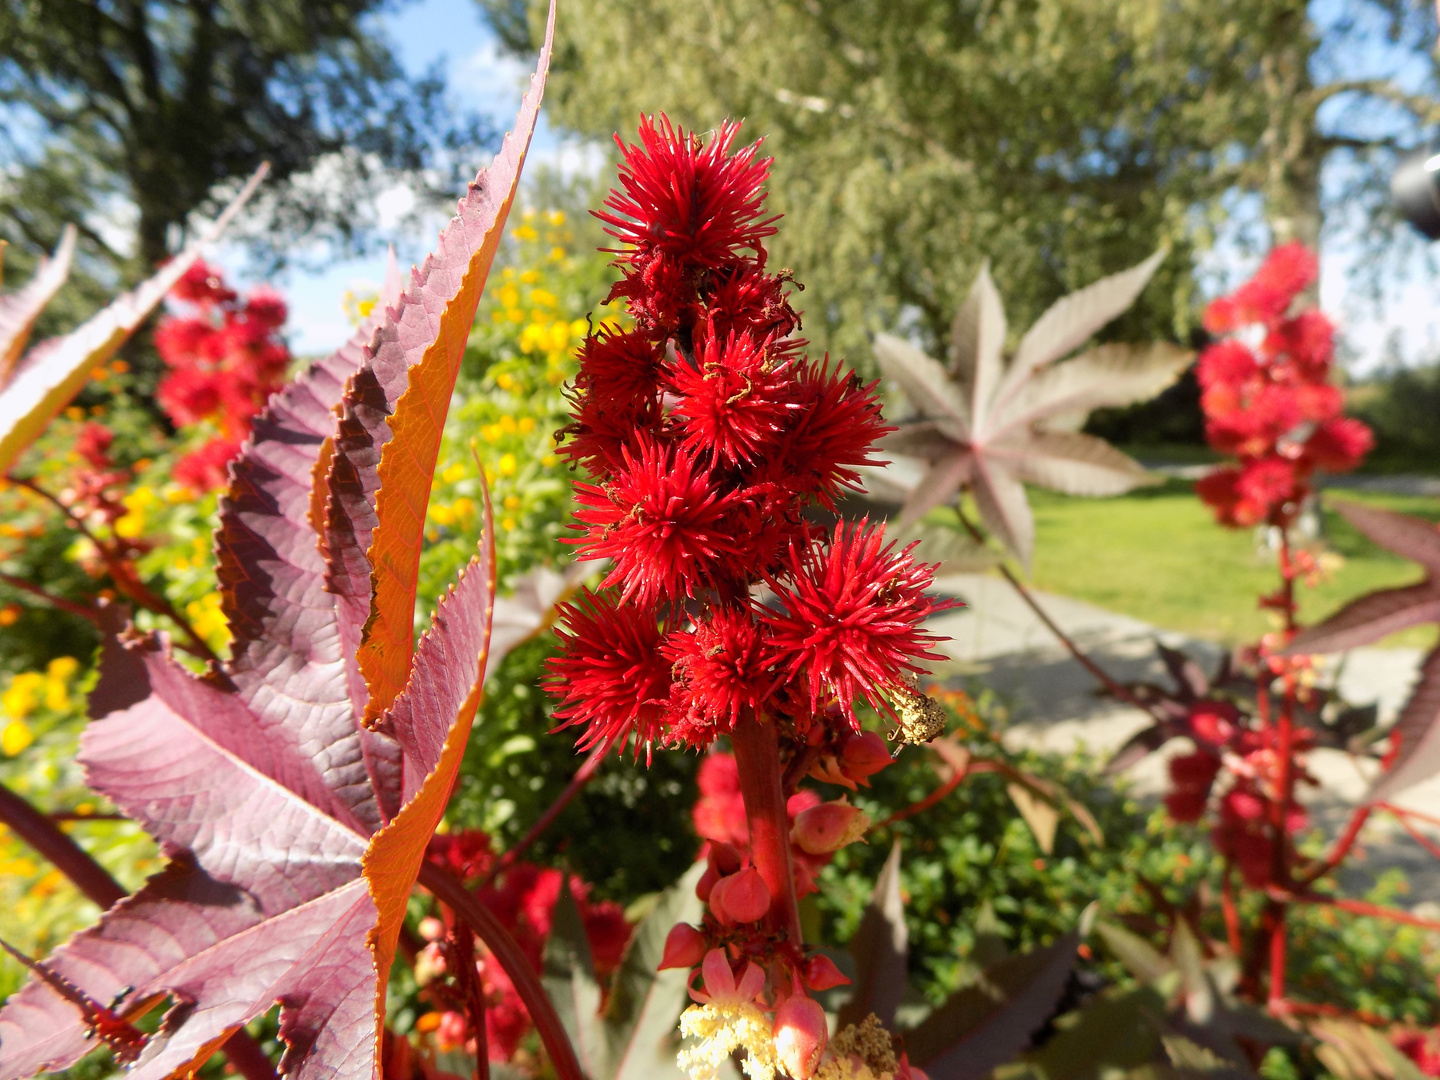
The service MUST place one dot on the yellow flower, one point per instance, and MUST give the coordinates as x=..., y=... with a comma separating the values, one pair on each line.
x=543, y=298
x=509, y=296
x=209, y=620
x=15, y=737
x=508, y=524
x=506, y=465
x=555, y=217
x=132, y=524
x=9, y=615
x=530, y=277
x=453, y=473
x=62, y=667
x=507, y=424
x=464, y=507
x=722, y=1028
x=525, y=425
x=505, y=380
x=442, y=515
x=512, y=502
x=22, y=695
x=525, y=232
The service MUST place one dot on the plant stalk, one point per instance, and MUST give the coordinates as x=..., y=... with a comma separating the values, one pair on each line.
x=483, y=923
x=757, y=758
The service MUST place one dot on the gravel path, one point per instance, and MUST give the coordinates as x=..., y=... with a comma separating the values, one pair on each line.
x=998, y=641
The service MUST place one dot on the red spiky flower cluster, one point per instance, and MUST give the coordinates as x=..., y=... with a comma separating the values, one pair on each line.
x=226, y=358
x=707, y=435
x=1274, y=406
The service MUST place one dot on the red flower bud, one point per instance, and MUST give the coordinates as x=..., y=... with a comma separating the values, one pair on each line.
x=864, y=755
x=740, y=898
x=725, y=858
x=820, y=973
x=800, y=1036
x=706, y=883
x=684, y=947
x=829, y=827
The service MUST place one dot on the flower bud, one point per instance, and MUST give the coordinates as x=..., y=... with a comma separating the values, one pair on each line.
x=740, y=898
x=723, y=857
x=820, y=973
x=800, y=1036
x=864, y=755
x=828, y=827
x=706, y=883
x=684, y=947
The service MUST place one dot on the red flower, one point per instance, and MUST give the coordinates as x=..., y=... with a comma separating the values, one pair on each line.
x=1226, y=363
x=1286, y=272
x=838, y=421
x=203, y=284
x=621, y=369
x=205, y=469
x=721, y=675
x=733, y=399
x=179, y=341
x=719, y=813
x=662, y=522
x=685, y=201
x=1339, y=445
x=851, y=619
x=93, y=444
x=610, y=673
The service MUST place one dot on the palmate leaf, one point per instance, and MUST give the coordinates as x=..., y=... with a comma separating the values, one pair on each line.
x=1416, y=755
x=634, y=1036
x=19, y=310
x=260, y=781
x=993, y=425
x=43, y=381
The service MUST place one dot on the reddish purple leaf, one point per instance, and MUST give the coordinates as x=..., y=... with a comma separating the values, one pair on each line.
x=881, y=948
x=258, y=780
x=987, y=1024
x=1378, y=614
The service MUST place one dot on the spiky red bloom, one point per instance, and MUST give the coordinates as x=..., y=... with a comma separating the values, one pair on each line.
x=721, y=675
x=733, y=400
x=837, y=421
x=621, y=368
x=851, y=619
x=743, y=298
x=689, y=202
x=662, y=522
x=610, y=673
x=1286, y=272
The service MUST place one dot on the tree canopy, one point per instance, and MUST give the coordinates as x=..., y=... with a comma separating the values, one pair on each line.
x=1060, y=139
x=145, y=107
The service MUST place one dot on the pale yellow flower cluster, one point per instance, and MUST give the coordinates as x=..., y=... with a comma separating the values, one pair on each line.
x=721, y=1029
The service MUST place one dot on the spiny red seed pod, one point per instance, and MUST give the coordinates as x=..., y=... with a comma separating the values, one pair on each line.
x=800, y=1036
x=820, y=973
x=684, y=947
x=828, y=827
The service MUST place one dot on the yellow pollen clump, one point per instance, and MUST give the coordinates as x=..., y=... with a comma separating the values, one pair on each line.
x=721, y=1029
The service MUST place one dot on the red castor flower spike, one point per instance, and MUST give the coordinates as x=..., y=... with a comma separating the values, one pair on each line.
x=851, y=620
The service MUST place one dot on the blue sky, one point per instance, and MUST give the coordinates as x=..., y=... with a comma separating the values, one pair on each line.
x=480, y=78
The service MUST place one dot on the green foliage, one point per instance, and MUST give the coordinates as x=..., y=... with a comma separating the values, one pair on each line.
x=1400, y=406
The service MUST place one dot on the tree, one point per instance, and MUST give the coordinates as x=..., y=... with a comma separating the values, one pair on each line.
x=156, y=103
x=1062, y=139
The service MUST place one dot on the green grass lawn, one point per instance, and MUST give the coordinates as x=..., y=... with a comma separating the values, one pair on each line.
x=1157, y=555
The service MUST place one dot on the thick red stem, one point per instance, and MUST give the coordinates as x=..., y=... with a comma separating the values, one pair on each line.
x=757, y=759
x=511, y=957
